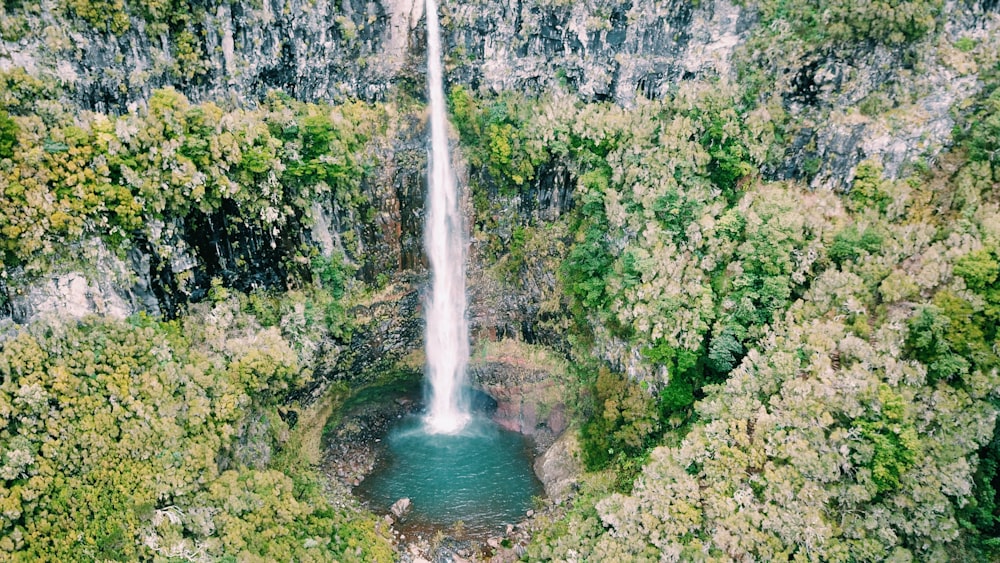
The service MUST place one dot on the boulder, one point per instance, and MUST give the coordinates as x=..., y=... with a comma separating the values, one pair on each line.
x=559, y=468
x=401, y=508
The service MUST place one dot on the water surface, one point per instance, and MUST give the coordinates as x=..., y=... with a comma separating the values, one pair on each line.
x=481, y=476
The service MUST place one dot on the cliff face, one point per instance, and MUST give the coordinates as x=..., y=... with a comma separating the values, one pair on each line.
x=890, y=103
x=599, y=50
x=321, y=50
x=619, y=51
x=603, y=50
x=311, y=50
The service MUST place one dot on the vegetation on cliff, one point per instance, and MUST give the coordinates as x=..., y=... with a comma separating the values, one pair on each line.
x=760, y=370
x=146, y=438
x=817, y=372
x=141, y=439
x=814, y=362
x=176, y=170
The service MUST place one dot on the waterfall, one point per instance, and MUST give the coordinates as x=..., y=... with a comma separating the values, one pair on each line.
x=447, y=333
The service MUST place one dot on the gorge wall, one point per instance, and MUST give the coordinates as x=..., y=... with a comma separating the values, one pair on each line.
x=759, y=234
x=599, y=50
x=619, y=51
x=331, y=50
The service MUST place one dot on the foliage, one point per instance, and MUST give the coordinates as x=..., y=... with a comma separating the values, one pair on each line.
x=894, y=440
x=827, y=359
x=493, y=130
x=567, y=536
x=850, y=245
x=587, y=265
x=867, y=191
x=797, y=458
x=624, y=424
x=982, y=515
x=731, y=161
x=332, y=274
x=306, y=317
x=503, y=158
x=928, y=342
x=979, y=269
x=123, y=441
x=73, y=178
x=8, y=135
x=109, y=15
x=841, y=21
x=980, y=135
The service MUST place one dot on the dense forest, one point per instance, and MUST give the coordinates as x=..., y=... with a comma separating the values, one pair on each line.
x=776, y=351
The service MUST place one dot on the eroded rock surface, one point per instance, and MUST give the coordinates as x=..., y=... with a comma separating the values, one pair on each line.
x=560, y=468
x=528, y=389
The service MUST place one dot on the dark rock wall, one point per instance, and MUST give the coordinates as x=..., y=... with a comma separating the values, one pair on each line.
x=323, y=50
x=598, y=49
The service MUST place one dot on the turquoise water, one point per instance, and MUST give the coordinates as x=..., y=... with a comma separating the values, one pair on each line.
x=481, y=476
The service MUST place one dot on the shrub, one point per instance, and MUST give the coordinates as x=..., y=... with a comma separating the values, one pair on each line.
x=979, y=269
x=110, y=15
x=927, y=342
x=867, y=191
x=850, y=244
x=8, y=135
x=895, y=441
x=824, y=22
x=624, y=422
x=146, y=413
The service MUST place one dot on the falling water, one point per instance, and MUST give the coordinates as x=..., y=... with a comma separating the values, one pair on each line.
x=447, y=337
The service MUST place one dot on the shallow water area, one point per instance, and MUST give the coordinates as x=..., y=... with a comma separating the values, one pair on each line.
x=480, y=476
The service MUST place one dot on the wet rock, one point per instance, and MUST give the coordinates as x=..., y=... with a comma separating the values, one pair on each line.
x=528, y=397
x=401, y=508
x=321, y=50
x=388, y=328
x=354, y=446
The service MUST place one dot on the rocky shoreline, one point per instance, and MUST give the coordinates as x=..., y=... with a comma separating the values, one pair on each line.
x=354, y=448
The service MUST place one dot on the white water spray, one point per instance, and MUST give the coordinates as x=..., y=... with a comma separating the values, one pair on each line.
x=447, y=334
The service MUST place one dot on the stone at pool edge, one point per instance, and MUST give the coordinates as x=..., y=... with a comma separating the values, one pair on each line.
x=559, y=468
x=401, y=508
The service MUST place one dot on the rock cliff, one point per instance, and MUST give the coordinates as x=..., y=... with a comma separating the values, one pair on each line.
x=599, y=49
x=322, y=50
x=836, y=105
